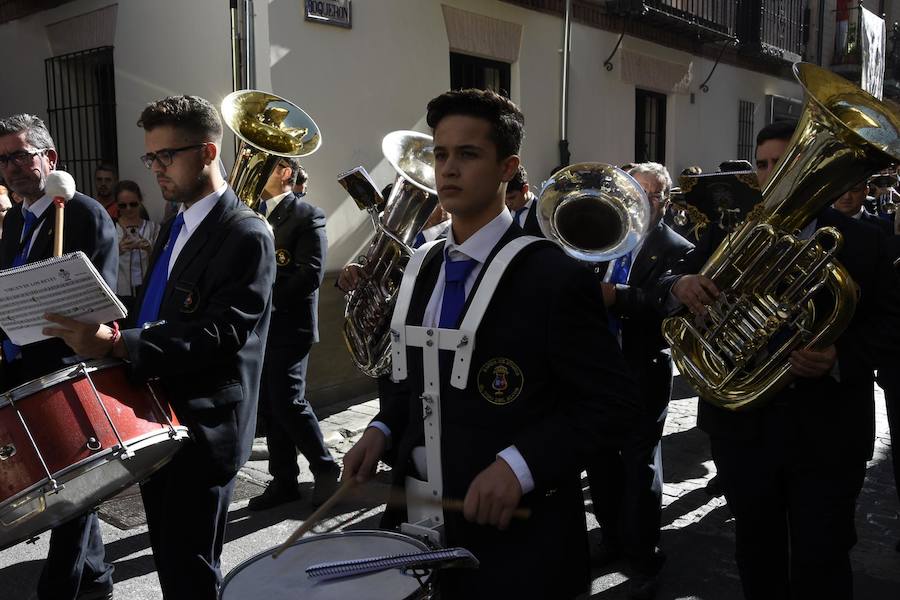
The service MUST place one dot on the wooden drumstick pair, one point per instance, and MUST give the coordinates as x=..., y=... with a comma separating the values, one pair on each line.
x=451, y=504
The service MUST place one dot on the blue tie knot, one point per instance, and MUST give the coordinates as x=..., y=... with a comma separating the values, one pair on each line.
x=458, y=270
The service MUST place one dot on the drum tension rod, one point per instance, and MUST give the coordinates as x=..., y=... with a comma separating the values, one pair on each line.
x=126, y=451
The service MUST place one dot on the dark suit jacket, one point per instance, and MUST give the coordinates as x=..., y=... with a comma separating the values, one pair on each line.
x=575, y=397
x=530, y=225
x=87, y=228
x=641, y=314
x=300, y=247
x=836, y=418
x=208, y=352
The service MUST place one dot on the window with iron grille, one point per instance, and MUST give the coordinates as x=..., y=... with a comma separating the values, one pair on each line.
x=81, y=110
x=746, y=149
x=481, y=73
x=650, y=127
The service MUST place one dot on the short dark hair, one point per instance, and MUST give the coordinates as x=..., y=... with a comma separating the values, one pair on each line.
x=736, y=165
x=36, y=133
x=192, y=114
x=778, y=130
x=300, y=175
x=519, y=180
x=507, y=121
x=105, y=166
x=126, y=185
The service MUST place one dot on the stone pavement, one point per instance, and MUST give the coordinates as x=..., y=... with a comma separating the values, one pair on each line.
x=698, y=533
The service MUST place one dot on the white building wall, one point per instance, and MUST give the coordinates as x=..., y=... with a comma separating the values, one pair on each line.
x=360, y=83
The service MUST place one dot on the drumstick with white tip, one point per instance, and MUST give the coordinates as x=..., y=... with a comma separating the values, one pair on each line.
x=61, y=187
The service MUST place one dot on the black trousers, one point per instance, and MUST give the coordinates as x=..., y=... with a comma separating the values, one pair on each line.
x=626, y=490
x=794, y=511
x=187, y=510
x=291, y=424
x=75, y=561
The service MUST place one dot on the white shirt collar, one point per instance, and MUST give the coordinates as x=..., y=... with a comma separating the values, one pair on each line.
x=274, y=201
x=480, y=244
x=38, y=207
x=194, y=215
x=530, y=201
x=862, y=211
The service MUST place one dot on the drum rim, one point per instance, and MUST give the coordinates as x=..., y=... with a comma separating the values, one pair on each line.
x=43, y=382
x=353, y=532
x=64, y=475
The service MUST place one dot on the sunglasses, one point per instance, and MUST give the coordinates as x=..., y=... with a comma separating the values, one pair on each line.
x=129, y=204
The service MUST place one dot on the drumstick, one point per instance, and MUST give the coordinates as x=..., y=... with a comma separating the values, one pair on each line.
x=314, y=518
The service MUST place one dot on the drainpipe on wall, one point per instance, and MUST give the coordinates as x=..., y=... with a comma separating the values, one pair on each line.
x=250, y=40
x=235, y=46
x=819, y=50
x=564, y=154
x=243, y=52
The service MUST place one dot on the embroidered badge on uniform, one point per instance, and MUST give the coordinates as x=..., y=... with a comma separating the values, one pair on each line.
x=500, y=381
x=282, y=257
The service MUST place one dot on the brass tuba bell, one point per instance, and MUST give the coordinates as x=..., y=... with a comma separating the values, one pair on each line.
x=270, y=128
x=738, y=355
x=367, y=319
x=594, y=211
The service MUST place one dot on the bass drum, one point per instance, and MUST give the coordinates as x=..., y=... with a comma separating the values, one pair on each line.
x=285, y=578
x=73, y=438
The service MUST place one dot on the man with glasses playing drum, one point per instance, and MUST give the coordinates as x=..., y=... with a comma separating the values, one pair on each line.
x=540, y=385
x=75, y=566
x=202, y=324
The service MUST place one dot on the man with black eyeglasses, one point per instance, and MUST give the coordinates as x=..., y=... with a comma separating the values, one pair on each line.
x=201, y=330
x=75, y=566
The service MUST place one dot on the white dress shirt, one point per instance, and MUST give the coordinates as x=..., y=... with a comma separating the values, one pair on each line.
x=477, y=247
x=193, y=216
x=273, y=202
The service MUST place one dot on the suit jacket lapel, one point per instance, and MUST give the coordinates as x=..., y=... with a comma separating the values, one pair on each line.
x=198, y=239
x=512, y=232
x=647, y=258
x=282, y=210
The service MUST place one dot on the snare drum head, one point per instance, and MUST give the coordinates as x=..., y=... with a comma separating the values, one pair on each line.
x=285, y=578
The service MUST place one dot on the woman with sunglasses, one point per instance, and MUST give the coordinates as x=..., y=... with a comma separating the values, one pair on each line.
x=136, y=238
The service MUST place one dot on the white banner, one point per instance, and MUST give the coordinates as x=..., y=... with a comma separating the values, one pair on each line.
x=873, y=42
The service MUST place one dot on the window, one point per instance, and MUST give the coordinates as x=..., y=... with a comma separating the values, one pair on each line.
x=81, y=110
x=746, y=149
x=482, y=73
x=650, y=127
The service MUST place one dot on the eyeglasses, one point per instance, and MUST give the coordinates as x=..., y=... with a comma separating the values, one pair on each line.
x=166, y=155
x=128, y=204
x=21, y=158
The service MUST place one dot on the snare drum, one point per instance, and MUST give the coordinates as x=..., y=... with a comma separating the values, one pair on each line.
x=285, y=578
x=73, y=438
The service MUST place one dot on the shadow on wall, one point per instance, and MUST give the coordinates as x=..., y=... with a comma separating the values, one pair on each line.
x=331, y=373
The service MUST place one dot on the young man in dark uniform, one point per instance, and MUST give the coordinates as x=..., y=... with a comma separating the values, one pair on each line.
x=202, y=326
x=792, y=469
x=75, y=567
x=291, y=424
x=545, y=385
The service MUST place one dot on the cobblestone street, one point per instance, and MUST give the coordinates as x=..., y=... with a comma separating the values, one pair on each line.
x=698, y=531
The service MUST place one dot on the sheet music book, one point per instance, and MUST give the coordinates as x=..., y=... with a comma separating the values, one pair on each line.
x=361, y=188
x=68, y=285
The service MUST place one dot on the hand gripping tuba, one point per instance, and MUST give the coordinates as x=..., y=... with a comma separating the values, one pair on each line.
x=737, y=356
x=413, y=198
x=595, y=212
x=270, y=128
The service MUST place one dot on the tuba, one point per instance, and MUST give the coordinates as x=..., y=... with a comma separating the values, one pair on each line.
x=737, y=356
x=270, y=128
x=595, y=212
x=367, y=318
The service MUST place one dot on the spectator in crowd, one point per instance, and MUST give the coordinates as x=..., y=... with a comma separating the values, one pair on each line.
x=136, y=236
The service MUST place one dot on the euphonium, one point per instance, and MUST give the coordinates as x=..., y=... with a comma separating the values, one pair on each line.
x=595, y=212
x=412, y=199
x=737, y=356
x=270, y=128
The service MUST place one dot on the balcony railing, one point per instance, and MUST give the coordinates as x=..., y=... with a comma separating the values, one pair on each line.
x=772, y=28
x=713, y=17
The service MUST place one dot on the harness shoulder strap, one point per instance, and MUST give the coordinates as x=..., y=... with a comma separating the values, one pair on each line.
x=401, y=306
